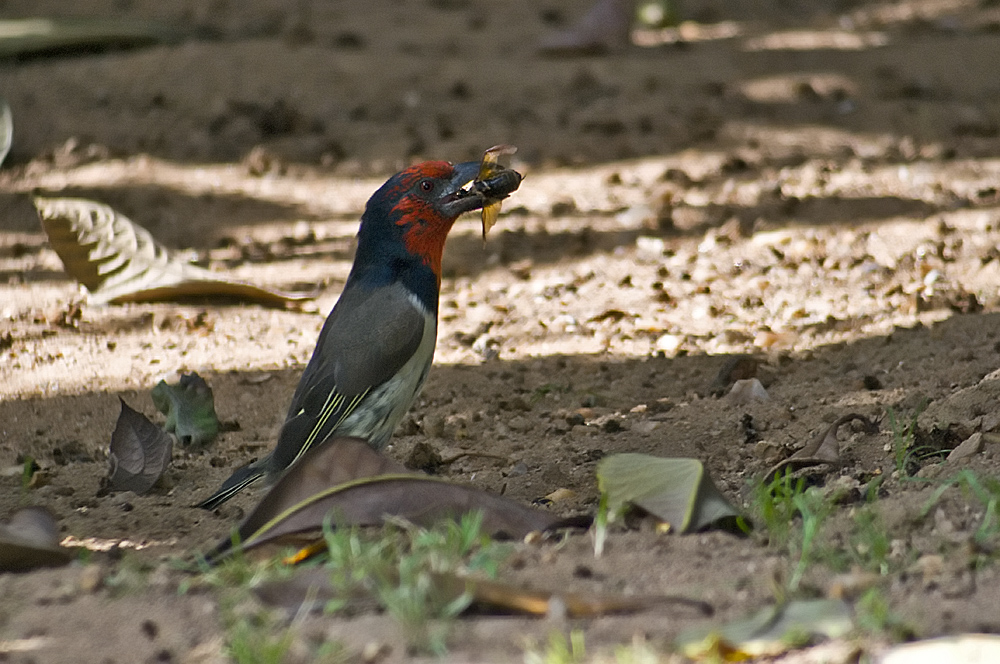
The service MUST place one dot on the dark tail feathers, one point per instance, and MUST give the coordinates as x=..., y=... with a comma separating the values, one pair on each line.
x=239, y=480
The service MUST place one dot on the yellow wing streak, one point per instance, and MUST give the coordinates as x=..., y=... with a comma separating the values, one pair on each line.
x=333, y=402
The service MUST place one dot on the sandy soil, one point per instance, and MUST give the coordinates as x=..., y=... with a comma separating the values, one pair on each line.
x=812, y=185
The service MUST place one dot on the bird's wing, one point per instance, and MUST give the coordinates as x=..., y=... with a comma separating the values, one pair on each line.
x=368, y=337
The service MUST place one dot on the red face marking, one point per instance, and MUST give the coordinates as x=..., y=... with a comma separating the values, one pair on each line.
x=424, y=229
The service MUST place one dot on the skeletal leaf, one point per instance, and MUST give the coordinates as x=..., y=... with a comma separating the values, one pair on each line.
x=30, y=539
x=6, y=129
x=140, y=453
x=118, y=261
x=190, y=409
x=769, y=632
x=679, y=492
x=35, y=36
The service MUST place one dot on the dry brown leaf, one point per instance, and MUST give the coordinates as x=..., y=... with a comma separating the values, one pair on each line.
x=140, y=452
x=313, y=584
x=30, y=539
x=823, y=448
x=346, y=479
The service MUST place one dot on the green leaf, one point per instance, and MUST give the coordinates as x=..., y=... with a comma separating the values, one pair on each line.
x=189, y=408
x=768, y=632
x=676, y=491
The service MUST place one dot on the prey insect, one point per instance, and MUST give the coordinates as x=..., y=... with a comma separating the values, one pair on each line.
x=496, y=183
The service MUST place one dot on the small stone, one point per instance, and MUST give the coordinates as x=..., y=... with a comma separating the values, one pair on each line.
x=456, y=427
x=91, y=578
x=747, y=391
x=852, y=584
x=650, y=247
x=648, y=426
x=519, y=423
x=768, y=339
x=374, y=651
x=669, y=344
x=612, y=426
x=930, y=567
x=991, y=421
x=768, y=451
x=486, y=347
x=408, y=426
x=534, y=538
x=971, y=446
x=433, y=425
x=942, y=524
x=737, y=367
x=423, y=457
x=519, y=469
x=871, y=382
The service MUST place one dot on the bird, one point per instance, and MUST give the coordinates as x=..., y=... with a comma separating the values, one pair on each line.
x=377, y=344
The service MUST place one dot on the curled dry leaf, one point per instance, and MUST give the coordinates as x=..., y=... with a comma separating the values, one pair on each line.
x=823, y=448
x=313, y=585
x=509, y=597
x=676, y=491
x=190, y=409
x=140, y=453
x=30, y=539
x=347, y=481
x=118, y=261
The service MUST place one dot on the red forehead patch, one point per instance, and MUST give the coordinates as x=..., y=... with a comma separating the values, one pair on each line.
x=409, y=176
x=428, y=169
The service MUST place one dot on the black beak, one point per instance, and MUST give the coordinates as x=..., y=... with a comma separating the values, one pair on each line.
x=456, y=199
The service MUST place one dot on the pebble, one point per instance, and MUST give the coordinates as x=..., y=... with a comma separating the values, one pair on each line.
x=747, y=391
x=971, y=446
x=669, y=344
x=91, y=578
x=768, y=451
x=433, y=425
x=519, y=423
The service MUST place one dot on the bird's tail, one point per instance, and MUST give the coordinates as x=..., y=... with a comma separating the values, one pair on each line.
x=239, y=480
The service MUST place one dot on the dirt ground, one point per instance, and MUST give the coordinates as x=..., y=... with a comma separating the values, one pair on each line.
x=810, y=183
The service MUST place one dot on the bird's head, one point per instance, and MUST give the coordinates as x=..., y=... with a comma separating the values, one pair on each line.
x=411, y=214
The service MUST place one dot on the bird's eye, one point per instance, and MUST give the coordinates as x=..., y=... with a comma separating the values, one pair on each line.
x=427, y=185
